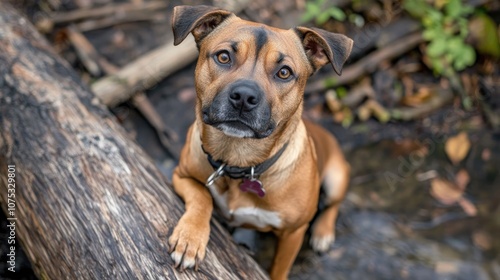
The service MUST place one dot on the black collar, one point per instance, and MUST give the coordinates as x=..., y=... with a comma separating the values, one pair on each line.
x=236, y=172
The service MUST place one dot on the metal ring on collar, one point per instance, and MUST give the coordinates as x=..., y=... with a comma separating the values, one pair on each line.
x=216, y=175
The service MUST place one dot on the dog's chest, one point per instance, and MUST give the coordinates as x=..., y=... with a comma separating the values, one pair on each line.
x=239, y=210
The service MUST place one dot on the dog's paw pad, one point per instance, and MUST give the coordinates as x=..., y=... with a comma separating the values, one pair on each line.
x=187, y=244
x=321, y=244
x=185, y=257
x=177, y=258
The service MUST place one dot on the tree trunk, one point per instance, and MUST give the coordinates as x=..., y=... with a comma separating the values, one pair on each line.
x=89, y=203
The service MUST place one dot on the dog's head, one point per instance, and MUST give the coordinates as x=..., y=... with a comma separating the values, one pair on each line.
x=250, y=77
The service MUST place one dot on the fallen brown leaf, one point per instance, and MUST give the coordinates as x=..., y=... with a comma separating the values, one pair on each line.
x=406, y=147
x=446, y=267
x=457, y=147
x=445, y=191
x=482, y=239
x=422, y=96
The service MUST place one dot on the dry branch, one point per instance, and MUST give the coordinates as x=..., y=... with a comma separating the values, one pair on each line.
x=368, y=64
x=85, y=51
x=89, y=202
x=144, y=72
x=109, y=10
x=149, y=69
x=438, y=100
x=116, y=19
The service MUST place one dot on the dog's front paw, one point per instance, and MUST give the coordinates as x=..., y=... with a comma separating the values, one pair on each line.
x=322, y=234
x=188, y=242
x=321, y=243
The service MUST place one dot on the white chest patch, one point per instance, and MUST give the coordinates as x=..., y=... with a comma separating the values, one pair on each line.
x=257, y=217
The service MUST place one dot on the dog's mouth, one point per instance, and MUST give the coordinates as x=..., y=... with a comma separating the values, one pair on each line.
x=240, y=110
x=239, y=128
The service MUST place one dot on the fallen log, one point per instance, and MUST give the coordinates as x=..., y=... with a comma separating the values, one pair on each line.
x=88, y=202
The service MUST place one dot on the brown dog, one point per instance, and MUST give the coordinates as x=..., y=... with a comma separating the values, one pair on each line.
x=249, y=150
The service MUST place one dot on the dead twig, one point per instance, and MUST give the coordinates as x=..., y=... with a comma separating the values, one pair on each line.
x=85, y=51
x=372, y=108
x=142, y=103
x=116, y=19
x=359, y=94
x=144, y=72
x=109, y=10
x=485, y=102
x=440, y=98
x=369, y=63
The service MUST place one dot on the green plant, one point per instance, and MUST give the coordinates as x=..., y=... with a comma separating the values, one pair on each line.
x=445, y=29
x=321, y=11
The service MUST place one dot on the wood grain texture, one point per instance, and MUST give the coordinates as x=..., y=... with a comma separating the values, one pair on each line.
x=90, y=203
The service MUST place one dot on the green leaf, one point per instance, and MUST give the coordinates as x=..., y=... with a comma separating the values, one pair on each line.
x=455, y=47
x=462, y=25
x=436, y=47
x=307, y=17
x=429, y=34
x=434, y=17
x=322, y=18
x=454, y=8
x=312, y=9
x=437, y=66
x=330, y=82
x=416, y=8
x=459, y=64
x=337, y=13
x=468, y=10
x=469, y=55
x=341, y=92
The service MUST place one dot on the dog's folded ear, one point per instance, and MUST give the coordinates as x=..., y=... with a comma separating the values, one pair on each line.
x=200, y=20
x=322, y=47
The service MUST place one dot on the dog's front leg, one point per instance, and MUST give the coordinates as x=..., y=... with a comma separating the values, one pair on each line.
x=289, y=243
x=190, y=237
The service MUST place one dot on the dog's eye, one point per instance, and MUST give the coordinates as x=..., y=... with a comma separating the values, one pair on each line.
x=284, y=73
x=223, y=57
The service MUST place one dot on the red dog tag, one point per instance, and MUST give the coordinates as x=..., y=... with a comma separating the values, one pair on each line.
x=254, y=186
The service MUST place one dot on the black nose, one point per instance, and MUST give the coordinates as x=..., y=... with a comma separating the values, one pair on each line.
x=244, y=97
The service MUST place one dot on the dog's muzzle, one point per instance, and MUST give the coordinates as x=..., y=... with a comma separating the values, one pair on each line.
x=240, y=110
